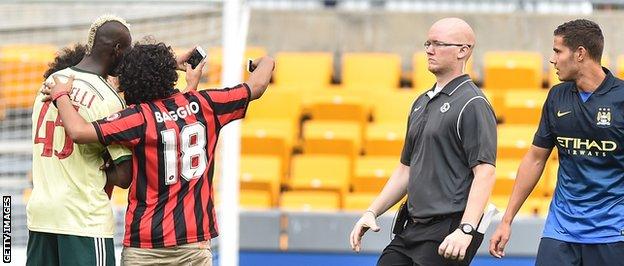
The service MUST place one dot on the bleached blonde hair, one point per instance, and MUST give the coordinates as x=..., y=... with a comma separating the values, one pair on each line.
x=97, y=23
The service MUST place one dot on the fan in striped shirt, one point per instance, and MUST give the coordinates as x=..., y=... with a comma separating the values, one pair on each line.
x=173, y=136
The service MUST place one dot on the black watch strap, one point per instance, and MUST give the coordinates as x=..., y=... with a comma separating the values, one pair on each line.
x=467, y=228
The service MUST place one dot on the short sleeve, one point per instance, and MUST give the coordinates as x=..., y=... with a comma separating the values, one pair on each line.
x=228, y=104
x=126, y=127
x=477, y=132
x=408, y=144
x=544, y=137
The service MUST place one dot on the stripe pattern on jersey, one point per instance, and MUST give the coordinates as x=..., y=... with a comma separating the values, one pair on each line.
x=161, y=214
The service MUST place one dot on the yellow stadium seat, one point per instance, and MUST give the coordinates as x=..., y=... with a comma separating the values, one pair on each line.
x=553, y=78
x=506, y=176
x=268, y=137
x=310, y=201
x=339, y=105
x=392, y=106
x=358, y=201
x=366, y=70
x=120, y=197
x=422, y=79
x=531, y=206
x=361, y=201
x=523, y=107
x=255, y=199
x=261, y=173
x=512, y=70
x=21, y=72
x=514, y=140
x=215, y=64
x=303, y=69
x=330, y=137
x=277, y=105
x=282, y=104
x=321, y=172
x=372, y=172
x=385, y=139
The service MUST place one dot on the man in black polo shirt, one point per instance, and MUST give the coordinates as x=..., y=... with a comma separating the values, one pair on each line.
x=447, y=163
x=582, y=117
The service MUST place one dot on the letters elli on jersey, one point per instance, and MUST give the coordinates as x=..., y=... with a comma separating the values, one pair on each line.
x=586, y=147
x=181, y=112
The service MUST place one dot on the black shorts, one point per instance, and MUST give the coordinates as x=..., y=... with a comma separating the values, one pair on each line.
x=418, y=243
x=561, y=253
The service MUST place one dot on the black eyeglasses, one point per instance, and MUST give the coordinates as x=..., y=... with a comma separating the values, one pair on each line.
x=436, y=44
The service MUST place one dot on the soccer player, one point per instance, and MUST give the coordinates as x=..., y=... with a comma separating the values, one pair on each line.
x=69, y=216
x=170, y=218
x=582, y=117
x=447, y=164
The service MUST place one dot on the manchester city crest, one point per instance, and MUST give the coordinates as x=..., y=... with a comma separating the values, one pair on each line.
x=603, y=117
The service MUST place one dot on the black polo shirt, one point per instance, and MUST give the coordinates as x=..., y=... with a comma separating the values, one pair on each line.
x=447, y=136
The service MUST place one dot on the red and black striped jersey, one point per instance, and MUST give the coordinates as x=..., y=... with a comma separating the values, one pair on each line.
x=170, y=201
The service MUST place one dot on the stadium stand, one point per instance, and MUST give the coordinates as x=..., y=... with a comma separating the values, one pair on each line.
x=309, y=69
x=366, y=70
x=327, y=134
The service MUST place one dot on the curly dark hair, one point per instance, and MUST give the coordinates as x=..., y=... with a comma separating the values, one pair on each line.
x=66, y=57
x=147, y=72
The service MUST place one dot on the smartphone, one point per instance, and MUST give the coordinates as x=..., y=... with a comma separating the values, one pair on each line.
x=250, y=66
x=196, y=57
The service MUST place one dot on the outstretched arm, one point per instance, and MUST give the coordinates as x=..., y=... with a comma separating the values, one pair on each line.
x=261, y=76
x=79, y=130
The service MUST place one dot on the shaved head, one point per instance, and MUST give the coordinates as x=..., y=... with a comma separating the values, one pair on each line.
x=110, y=34
x=449, y=46
x=453, y=30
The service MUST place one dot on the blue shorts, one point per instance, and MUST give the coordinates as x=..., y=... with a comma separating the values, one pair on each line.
x=561, y=253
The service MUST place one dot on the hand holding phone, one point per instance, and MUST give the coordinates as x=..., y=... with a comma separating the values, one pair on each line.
x=196, y=57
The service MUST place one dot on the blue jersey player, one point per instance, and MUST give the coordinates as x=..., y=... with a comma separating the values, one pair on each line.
x=582, y=117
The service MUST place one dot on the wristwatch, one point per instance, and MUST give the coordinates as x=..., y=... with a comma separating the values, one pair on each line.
x=467, y=228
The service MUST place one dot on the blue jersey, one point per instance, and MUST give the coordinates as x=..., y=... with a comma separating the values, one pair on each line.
x=588, y=204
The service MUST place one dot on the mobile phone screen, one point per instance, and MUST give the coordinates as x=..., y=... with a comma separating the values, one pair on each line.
x=196, y=57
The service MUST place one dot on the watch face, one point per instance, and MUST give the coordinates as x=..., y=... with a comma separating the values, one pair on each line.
x=466, y=228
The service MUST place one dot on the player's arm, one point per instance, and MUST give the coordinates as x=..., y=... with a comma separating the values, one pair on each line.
x=260, y=77
x=528, y=175
x=79, y=130
x=529, y=172
x=476, y=129
x=482, y=184
x=394, y=190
